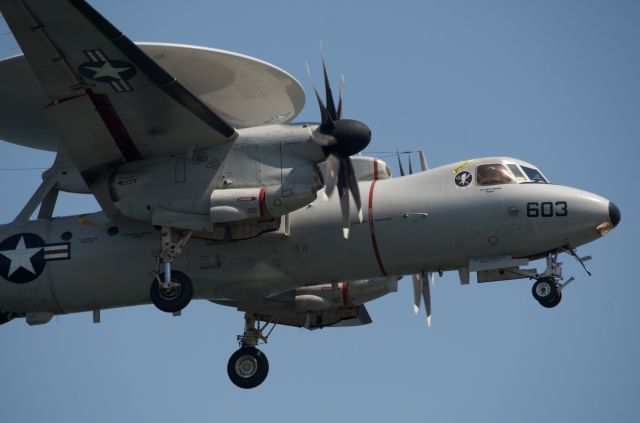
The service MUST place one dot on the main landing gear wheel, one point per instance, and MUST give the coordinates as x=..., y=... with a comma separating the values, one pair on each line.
x=248, y=367
x=174, y=296
x=547, y=292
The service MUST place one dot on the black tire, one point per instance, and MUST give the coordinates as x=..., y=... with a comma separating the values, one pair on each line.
x=545, y=290
x=177, y=300
x=248, y=367
x=554, y=302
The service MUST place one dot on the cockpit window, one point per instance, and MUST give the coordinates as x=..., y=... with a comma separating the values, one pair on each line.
x=490, y=174
x=534, y=175
x=517, y=172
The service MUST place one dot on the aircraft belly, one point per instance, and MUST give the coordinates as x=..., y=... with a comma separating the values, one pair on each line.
x=249, y=269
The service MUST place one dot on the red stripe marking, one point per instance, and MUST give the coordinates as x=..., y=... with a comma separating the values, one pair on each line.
x=99, y=55
x=115, y=126
x=115, y=86
x=92, y=56
x=345, y=293
x=375, y=169
x=372, y=230
x=66, y=250
x=261, y=202
x=124, y=85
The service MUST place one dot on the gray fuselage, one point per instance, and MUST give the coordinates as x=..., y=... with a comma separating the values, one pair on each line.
x=421, y=222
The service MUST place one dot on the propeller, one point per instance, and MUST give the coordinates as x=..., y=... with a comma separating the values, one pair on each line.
x=408, y=153
x=422, y=290
x=340, y=139
x=400, y=163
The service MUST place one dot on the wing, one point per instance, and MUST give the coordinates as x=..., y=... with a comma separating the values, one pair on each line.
x=108, y=101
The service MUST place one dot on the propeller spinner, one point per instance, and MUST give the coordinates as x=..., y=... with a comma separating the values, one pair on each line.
x=340, y=139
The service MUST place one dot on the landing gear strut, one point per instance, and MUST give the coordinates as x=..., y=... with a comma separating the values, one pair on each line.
x=248, y=367
x=171, y=291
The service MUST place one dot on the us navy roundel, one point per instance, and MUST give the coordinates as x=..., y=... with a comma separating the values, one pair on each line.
x=23, y=256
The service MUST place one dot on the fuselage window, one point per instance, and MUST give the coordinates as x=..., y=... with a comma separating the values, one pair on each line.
x=517, y=172
x=491, y=174
x=534, y=175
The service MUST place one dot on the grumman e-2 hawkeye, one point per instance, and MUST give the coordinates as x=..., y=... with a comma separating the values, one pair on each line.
x=209, y=192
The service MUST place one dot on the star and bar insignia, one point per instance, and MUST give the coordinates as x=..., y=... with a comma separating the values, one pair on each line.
x=102, y=69
x=23, y=256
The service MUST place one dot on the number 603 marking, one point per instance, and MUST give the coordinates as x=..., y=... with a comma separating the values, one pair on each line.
x=547, y=209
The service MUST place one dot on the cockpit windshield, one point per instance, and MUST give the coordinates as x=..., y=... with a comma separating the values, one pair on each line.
x=534, y=175
x=491, y=174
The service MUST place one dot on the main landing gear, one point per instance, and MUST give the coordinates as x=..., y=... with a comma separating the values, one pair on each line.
x=547, y=289
x=248, y=367
x=172, y=290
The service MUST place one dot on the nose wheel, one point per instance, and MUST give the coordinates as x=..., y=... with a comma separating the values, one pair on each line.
x=547, y=292
x=248, y=367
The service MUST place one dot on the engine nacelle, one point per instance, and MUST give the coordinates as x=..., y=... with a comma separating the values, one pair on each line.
x=235, y=204
x=215, y=187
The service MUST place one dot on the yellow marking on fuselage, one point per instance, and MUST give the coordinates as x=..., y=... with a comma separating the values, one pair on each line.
x=84, y=221
x=462, y=166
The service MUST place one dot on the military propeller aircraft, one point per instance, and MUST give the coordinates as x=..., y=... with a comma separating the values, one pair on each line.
x=209, y=192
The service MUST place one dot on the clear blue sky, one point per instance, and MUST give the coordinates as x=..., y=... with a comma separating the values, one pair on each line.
x=556, y=83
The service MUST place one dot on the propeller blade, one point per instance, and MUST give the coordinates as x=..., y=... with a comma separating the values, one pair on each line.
x=343, y=192
x=410, y=167
x=331, y=105
x=426, y=296
x=339, y=111
x=417, y=291
x=353, y=186
x=333, y=171
x=327, y=121
x=400, y=163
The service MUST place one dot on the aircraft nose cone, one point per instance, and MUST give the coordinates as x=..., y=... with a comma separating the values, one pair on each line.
x=614, y=214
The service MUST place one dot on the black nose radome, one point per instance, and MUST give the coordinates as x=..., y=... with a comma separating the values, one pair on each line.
x=614, y=214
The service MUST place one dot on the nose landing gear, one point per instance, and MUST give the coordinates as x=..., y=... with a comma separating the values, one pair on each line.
x=547, y=292
x=248, y=367
x=547, y=289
